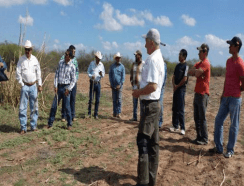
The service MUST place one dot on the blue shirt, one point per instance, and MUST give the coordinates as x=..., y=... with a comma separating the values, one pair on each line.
x=4, y=64
x=65, y=74
x=94, y=69
x=116, y=75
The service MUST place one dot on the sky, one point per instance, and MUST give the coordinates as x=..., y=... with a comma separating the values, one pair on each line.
x=117, y=26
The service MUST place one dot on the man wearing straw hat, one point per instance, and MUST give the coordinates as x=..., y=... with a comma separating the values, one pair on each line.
x=28, y=73
x=117, y=78
x=95, y=72
x=152, y=78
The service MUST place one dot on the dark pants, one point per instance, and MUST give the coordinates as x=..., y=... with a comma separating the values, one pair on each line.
x=95, y=88
x=72, y=103
x=147, y=142
x=178, y=108
x=200, y=108
x=66, y=105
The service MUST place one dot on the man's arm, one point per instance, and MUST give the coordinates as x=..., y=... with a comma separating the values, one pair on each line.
x=89, y=71
x=131, y=74
x=18, y=74
x=148, y=89
x=195, y=72
x=242, y=83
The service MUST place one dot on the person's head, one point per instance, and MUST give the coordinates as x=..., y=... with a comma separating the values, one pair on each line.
x=28, y=48
x=152, y=40
x=203, y=51
x=98, y=56
x=117, y=57
x=182, y=55
x=138, y=55
x=68, y=55
x=235, y=45
x=72, y=47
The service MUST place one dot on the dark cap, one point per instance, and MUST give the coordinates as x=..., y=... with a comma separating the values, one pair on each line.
x=183, y=52
x=203, y=47
x=138, y=52
x=235, y=41
x=70, y=53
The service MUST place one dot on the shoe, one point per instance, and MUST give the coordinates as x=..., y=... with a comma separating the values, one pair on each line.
x=47, y=127
x=74, y=119
x=172, y=129
x=34, y=130
x=132, y=119
x=69, y=128
x=63, y=120
x=114, y=115
x=22, y=132
x=214, y=151
x=96, y=117
x=202, y=142
x=118, y=116
x=88, y=116
x=228, y=155
x=182, y=132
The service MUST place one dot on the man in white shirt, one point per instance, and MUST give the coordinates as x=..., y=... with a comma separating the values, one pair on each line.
x=28, y=73
x=150, y=88
x=95, y=72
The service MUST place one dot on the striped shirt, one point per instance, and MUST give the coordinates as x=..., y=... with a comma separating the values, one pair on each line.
x=65, y=74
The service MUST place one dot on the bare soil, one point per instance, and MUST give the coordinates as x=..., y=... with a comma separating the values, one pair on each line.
x=114, y=160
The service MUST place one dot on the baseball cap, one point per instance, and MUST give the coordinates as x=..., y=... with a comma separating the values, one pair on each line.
x=154, y=35
x=235, y=41
x=204, y=46
x=138, y=52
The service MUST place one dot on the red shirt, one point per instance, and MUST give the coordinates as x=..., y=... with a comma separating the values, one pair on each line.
x=234, y=69
x=202, y=84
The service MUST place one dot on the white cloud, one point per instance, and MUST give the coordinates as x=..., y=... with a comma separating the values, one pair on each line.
x=163, y=21
x=133, y=46
x=187, y=41
x=215, y=41
x=63, y=2
x=80, y=46
x=62, y=13
x=221, y=53
x=26, y=20
x=109, y=23
x=108, y=46
x=129, y=21
x=39, y=2
x=190, y=21
x=147, y=15
x=56, y=41
x=198, y=36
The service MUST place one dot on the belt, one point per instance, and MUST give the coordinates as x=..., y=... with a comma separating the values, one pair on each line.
x=149, y=101
x=95, y=82
x=62, y=85
x=29, y=84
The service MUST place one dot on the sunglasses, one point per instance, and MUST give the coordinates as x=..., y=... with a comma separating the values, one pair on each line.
x=28, y=49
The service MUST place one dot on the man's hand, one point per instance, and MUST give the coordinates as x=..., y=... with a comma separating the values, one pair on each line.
x=93, y=77
x=1, y=65
x=175, y=87
x=39, y=88
x=66, y=92
x=117, y=87
x=136, y=93
x=100, y=73
x=55, y=90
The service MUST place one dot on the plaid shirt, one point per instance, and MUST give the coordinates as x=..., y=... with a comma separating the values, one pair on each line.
x=74, y=61
x=65, y=74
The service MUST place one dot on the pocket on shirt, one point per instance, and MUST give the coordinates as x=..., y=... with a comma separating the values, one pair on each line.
x=118, y=72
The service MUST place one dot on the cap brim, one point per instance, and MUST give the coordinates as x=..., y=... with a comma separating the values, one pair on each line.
x=144, y=36
x=199, y=48
x=163, y=44
x=229, y=42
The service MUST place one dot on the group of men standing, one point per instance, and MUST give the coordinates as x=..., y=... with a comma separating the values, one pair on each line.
x=148, y=82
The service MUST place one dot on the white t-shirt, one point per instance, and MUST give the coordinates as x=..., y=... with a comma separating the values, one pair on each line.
x=153, y=72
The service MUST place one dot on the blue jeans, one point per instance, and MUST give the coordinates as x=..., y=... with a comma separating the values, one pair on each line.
x=233, y=106
x=28, y=93
x=200, y=108
x=135, y=105
x=72, y=103
x=161, y=113
x=96, y=90
x=117, y=101
x=178, y=108
x=66, y=101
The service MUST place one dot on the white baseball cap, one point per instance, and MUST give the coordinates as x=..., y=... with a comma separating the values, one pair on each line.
x=154, y=35
x=98, y=54
x=28, y=44
x=117, y=55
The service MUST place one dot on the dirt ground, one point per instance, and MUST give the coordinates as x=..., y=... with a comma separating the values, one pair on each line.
x=176, y=151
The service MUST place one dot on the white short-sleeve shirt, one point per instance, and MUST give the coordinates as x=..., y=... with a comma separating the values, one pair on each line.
x=153, y=72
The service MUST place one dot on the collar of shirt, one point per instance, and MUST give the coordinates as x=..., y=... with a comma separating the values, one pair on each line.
x=156, y=52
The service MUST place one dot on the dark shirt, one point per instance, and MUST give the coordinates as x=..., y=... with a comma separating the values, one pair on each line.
x=180, y=72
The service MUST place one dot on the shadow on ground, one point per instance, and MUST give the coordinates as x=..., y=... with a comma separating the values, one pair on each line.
x=92, y=174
